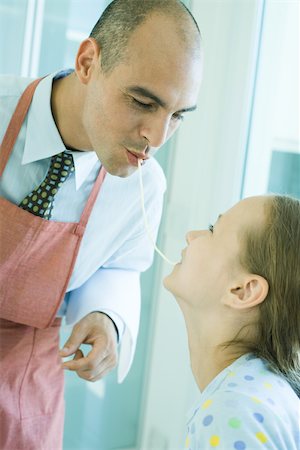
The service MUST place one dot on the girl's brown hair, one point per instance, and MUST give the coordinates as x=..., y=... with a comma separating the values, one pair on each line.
x=274, y=253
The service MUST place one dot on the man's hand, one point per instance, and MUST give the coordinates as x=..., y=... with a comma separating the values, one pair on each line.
x=97, y=330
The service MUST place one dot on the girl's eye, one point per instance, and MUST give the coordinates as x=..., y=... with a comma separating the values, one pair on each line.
x=177, y=116
x=211, y=228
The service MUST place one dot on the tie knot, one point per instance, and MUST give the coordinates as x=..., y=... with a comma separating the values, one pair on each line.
x=61, y=167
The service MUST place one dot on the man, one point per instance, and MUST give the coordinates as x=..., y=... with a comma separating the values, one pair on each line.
x=69, y=154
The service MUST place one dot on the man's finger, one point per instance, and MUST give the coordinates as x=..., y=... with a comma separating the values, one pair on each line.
x=90, y=361
x=77, y=337
x=103, y=368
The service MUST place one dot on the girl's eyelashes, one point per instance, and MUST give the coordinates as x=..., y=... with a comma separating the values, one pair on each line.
x=211, y=228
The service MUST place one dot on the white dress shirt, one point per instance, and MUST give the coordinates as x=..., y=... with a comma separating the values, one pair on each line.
x=115, y=247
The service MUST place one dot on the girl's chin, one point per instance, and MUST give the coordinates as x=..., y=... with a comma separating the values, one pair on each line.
x=166, y=282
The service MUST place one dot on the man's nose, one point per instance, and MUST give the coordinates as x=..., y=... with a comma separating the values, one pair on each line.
x=156, y=131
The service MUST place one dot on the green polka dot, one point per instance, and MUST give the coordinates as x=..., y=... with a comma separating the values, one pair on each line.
x=45, y=205
x=53, y=177
x=53, y=191
x=35, y=208
x=34, y=197
x=43, y=184
x=68, y=162
x=234, y=422
x=57, y=165
x=44, y=194
x=64, y=173
x=25, y=201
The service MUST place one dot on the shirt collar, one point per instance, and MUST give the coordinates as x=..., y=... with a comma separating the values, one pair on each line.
x=42, y=136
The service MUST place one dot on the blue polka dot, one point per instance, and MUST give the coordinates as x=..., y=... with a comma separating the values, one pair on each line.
x=207, y=420
x=193, y=428
x=239, y=445
x=232, y=384
x=259, y=417
x=248, y=377
x=269, y=400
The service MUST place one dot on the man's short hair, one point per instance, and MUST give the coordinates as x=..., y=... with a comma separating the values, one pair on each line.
x=121, y=17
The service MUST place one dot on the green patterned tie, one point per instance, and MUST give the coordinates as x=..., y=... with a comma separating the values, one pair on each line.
x=40, y=201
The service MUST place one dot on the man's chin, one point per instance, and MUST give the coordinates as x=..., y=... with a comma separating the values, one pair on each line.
x=122, y=172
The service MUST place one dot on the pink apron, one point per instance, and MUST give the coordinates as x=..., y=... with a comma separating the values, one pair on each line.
x=37, y=258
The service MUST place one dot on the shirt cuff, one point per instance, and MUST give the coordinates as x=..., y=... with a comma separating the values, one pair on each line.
x=117, y=321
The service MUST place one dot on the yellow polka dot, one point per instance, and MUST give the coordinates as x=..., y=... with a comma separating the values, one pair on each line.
x=53, y=177
x=231, y=374
x=68, y=162
x=255, y=399
x=44, y=194
x=261, y=437
x=25, y=201
x=206, y=404
x=53, y=191
x=214, y=441
x=187, y=442
x=34, y=197
x=64, y=173
x=57, y=165
x=268, y=385
x=35, y=208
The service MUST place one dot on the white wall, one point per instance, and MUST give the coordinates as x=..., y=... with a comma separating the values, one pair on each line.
x=275, y=123
x=206, y=176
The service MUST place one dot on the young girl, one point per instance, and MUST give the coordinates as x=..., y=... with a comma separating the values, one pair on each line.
x=238, y=286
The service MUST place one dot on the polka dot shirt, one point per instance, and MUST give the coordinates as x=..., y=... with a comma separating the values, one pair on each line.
x=246, y=407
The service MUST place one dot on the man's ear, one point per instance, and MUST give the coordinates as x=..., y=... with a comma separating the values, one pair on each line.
x=250, y=292
x=87, y=59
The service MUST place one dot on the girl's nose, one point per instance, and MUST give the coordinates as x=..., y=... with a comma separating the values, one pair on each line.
x=191, y=235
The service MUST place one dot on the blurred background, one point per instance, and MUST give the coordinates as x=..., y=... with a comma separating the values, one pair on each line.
x=243, y=140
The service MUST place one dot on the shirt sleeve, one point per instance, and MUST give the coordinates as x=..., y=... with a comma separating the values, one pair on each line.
x=115, y=286
x=116, y=291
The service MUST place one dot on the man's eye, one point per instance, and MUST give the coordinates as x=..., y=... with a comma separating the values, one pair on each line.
x=141, y=104
x=211, y=228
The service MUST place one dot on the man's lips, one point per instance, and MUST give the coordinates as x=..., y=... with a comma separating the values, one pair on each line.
x=133, y=157
x=138, y=155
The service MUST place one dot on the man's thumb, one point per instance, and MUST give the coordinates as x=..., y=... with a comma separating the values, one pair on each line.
x=72, y=344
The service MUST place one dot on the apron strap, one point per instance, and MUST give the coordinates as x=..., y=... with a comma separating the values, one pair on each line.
x=15, y=124
x=10, y=138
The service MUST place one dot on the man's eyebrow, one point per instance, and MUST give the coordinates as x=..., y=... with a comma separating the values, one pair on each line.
x=146, y=93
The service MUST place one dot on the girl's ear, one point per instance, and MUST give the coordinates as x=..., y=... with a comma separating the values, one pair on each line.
x=250, y=292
